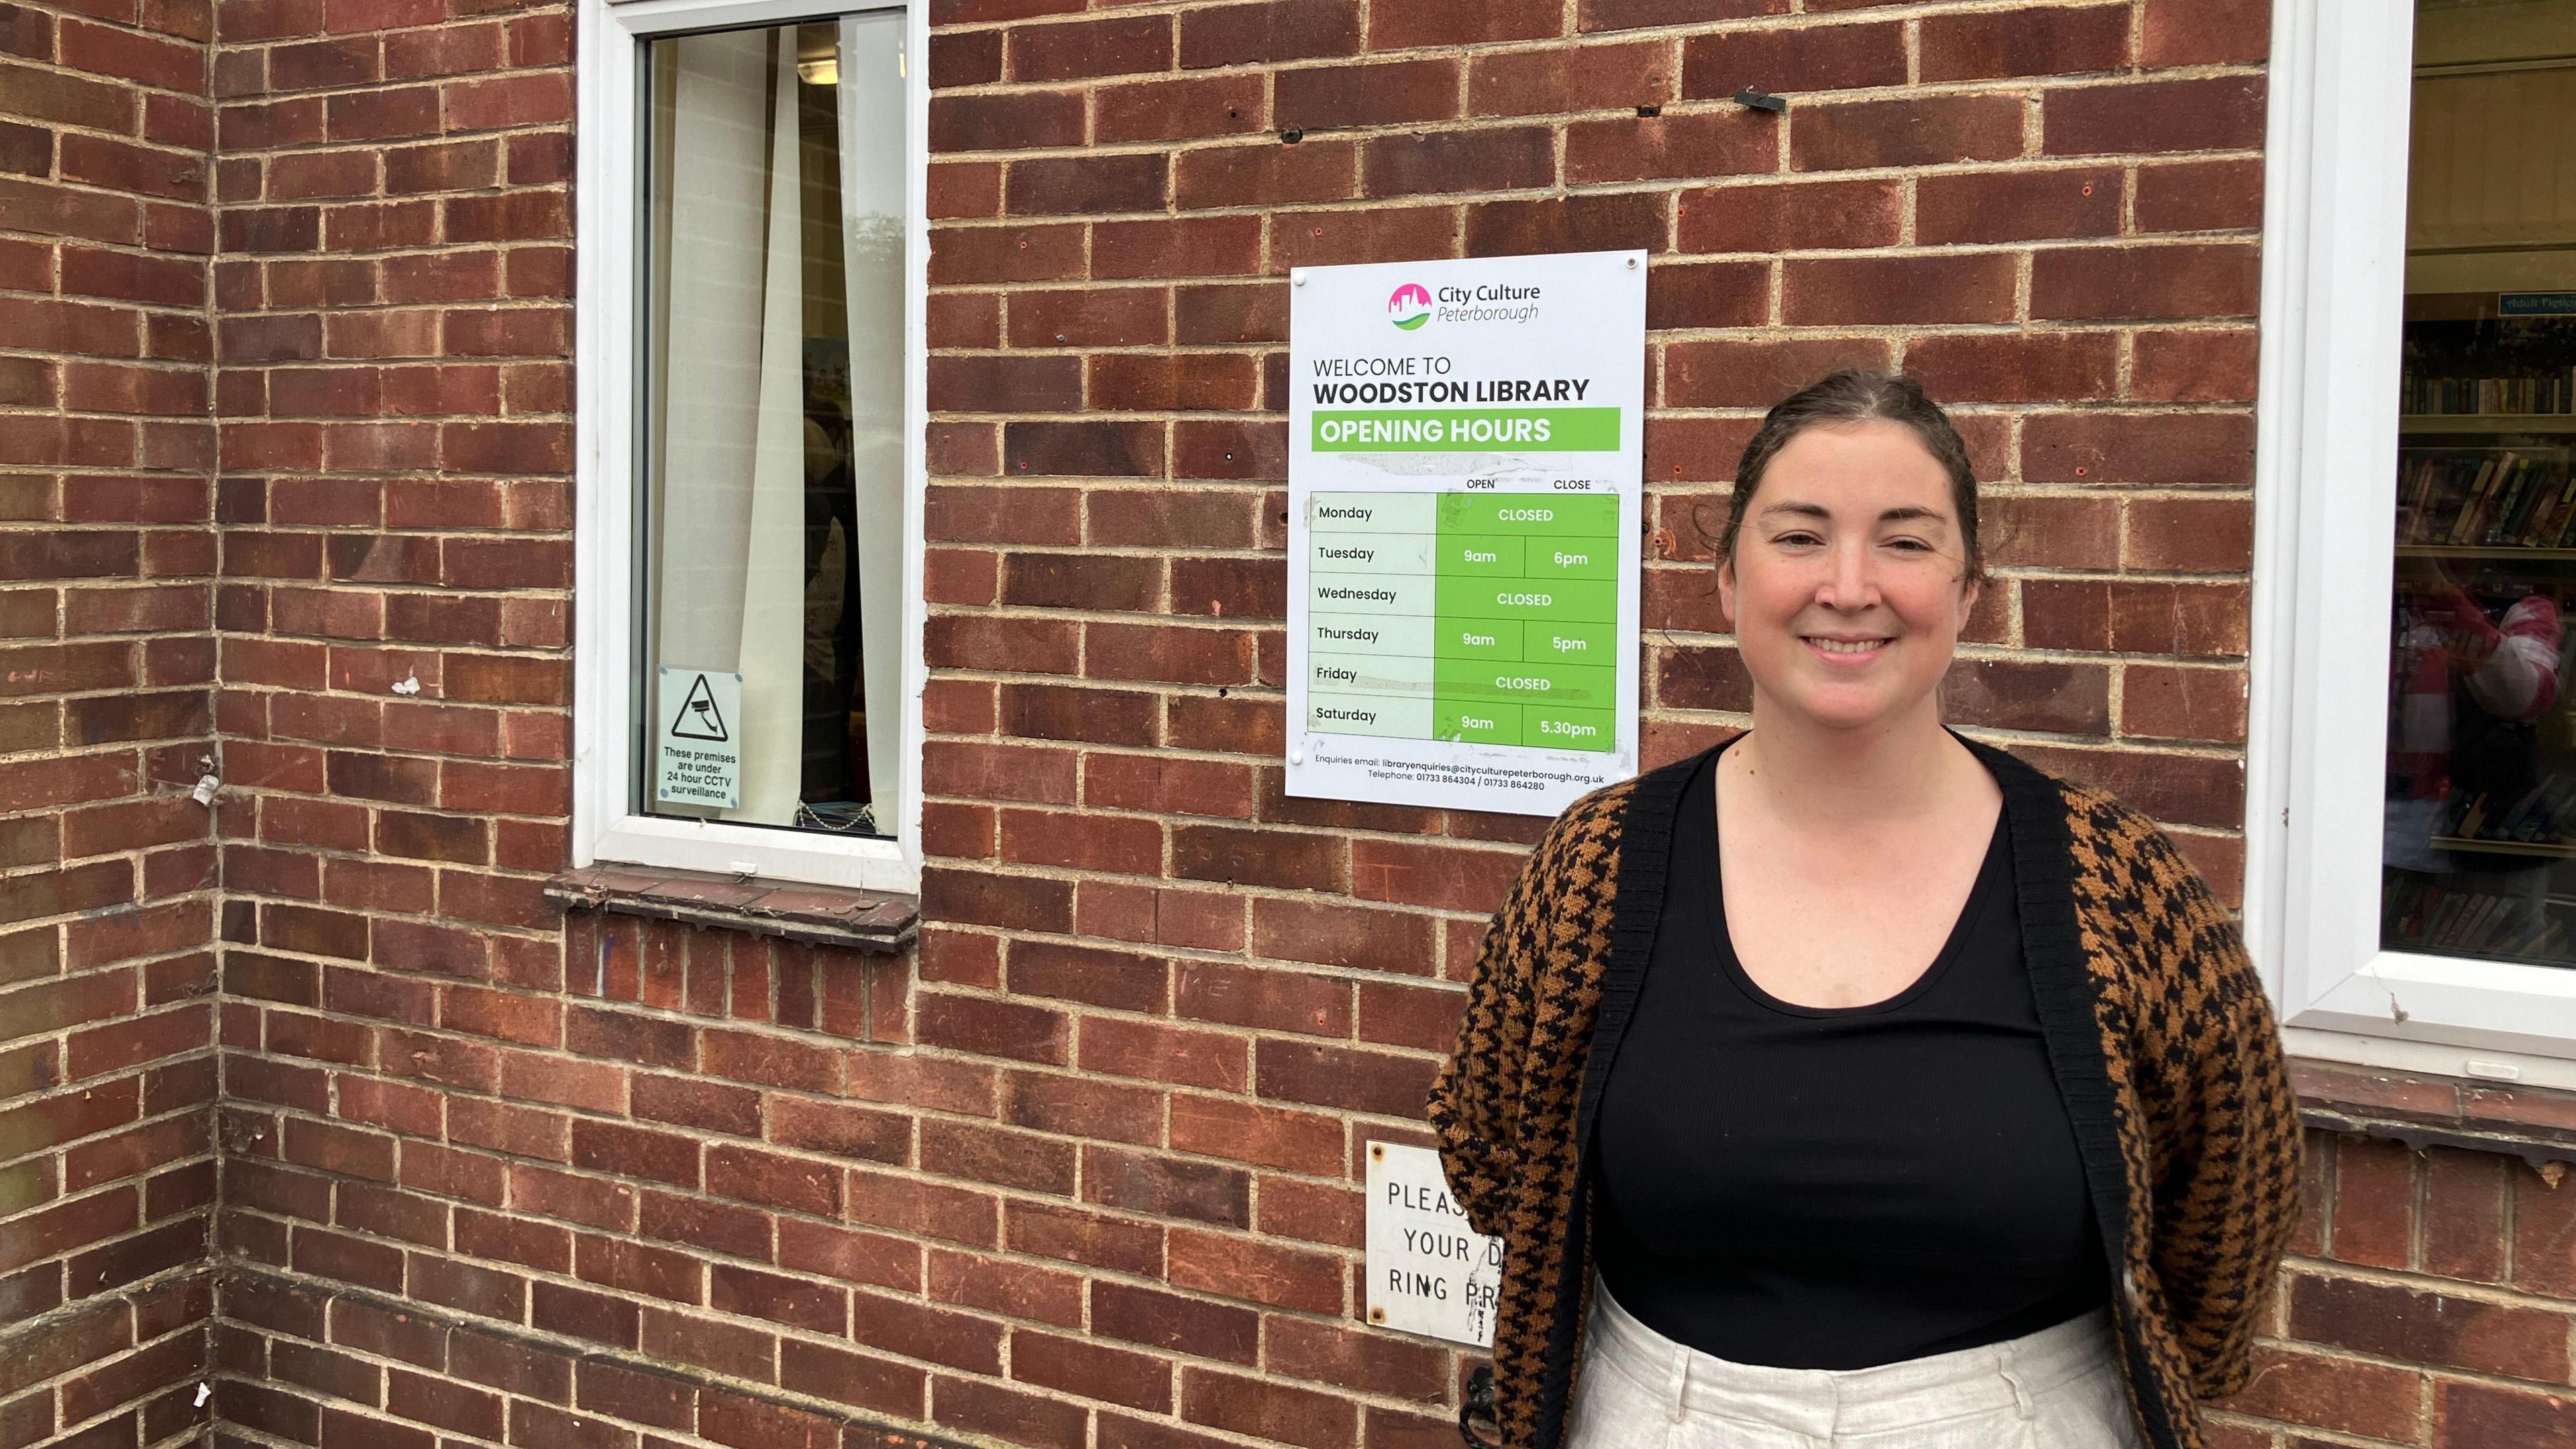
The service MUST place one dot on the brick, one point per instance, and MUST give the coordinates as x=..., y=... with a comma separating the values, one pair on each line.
x=1485, y=159
x=2222, y=195
x=2471, y=1413
x=1168, y=1054
x=1026, y=1161
x=1273, y=1411
x=928, y=1209
x=1352, y=1358
x=1265, y=172
x=1553, y=79
x=1066, y=1107
x=2343, y=1395
x=1799, y=215
x=1707, y=143
x=2464, y=1210
x=2217, y=114
x=2196, y=704
x=1730, y=373
x=2204, y=32
x=1174, y=110
x=1171, y=1321
x=2428, y=1328
x=991, y=1027
x=1079, y=50
x=1935, y=131
x=919, y=1331
x=2030, y=40
x=1275, y=30
x=1358, y=1081
x=1999, y=206
x=1879, y=290
x=1591, y=222
x=1110, y=183
x=2169, y=281
x=1840, y=57
x=1096, y=449
x=1161, y=1186
x=2028, y=367
x=969, y=255
x=2195, y=448
x=1387, y=93
x=838, y=1130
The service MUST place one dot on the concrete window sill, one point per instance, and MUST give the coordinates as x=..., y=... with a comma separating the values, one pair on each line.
x=2534, y=1124
x=818, y=915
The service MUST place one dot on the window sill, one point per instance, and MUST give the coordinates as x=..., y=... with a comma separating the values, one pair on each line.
x=877, y=921
x=2419, y=1110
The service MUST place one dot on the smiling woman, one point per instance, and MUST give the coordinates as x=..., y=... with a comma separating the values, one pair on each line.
x=1868, y=1027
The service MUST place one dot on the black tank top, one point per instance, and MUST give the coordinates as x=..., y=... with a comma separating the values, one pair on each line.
x=1803, y=1187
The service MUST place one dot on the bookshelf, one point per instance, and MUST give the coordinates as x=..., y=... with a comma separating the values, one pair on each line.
x=2536, y=424
x=2507, y=552
x=2520, y=498
x=2487, y=512
x=2479, y=855
x=2558, y=850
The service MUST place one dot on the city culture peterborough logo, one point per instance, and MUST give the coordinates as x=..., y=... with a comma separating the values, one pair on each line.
x=1408, y=306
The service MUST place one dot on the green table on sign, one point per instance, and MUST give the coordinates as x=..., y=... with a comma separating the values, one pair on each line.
x=1488, y=617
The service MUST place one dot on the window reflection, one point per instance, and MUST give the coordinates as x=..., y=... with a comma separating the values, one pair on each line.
x=774, y=421
x=2480, y=844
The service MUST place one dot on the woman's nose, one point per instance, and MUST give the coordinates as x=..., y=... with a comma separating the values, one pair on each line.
x=1850, y=581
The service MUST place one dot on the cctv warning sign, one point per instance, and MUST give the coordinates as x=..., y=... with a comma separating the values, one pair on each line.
x=698, y=738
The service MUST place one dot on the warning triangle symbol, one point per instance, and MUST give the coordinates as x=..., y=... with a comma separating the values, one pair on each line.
x=699, y=719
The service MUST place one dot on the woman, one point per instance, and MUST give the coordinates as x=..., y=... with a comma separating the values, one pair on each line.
x=1853, y=1083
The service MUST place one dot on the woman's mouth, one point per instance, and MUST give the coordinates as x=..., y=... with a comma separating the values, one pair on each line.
x=1845, y=651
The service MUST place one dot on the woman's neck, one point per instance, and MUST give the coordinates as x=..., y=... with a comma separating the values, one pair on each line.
x=1882, y=772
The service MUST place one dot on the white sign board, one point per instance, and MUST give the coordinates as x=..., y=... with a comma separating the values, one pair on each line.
x=1464, y=464
x=1428, y=1272
x=698, y=738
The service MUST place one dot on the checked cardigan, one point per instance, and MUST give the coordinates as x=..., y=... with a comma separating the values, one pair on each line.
x=2157, y=1032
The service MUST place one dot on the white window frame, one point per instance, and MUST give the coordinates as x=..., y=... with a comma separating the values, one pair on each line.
x=2334, y=266
x=605, y=577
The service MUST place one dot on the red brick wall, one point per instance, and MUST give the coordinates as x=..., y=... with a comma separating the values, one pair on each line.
x=2427, y=1302
x=392, y=386
x=2048, y=213
x=107, y=868
x=1082, y=1172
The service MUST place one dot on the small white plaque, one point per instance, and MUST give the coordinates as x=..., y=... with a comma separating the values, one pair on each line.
x=699, y=738
x=1428, y=1272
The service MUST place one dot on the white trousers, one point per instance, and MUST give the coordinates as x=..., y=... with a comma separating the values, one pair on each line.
x=2059, y=1388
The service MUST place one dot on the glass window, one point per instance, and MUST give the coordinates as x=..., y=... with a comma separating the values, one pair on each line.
x=770, y=453
x=2479, y=856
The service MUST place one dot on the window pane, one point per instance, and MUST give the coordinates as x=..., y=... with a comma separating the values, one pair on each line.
x=2480, y=846
x=767, y=693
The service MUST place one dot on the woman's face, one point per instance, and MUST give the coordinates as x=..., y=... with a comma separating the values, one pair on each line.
x=1846, y=587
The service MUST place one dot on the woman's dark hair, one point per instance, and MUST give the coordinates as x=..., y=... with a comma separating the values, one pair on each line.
x=1856, y=396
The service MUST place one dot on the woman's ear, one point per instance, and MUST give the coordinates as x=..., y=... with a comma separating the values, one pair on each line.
x=1974, y=589
x=1726, y=589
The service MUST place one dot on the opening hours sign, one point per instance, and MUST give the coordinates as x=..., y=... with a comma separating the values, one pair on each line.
x=1464, y=471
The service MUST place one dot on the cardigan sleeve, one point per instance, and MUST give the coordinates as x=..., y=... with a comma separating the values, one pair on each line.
x=1475, y=1100
x=2225, y=1123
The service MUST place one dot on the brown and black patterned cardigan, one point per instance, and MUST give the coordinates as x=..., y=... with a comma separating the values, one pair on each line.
x=2157, y=1030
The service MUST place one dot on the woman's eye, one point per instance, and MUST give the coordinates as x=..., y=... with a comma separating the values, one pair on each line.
x=1910, y=545
x=1796, y=540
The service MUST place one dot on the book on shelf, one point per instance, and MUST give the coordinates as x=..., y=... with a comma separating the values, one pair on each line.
x=2482, y=396
x=2519, y=498
x=2456, y=914
x=2531, y=818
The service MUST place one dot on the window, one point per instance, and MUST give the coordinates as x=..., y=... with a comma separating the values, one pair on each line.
x=2412, y=865
x=749, y=540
